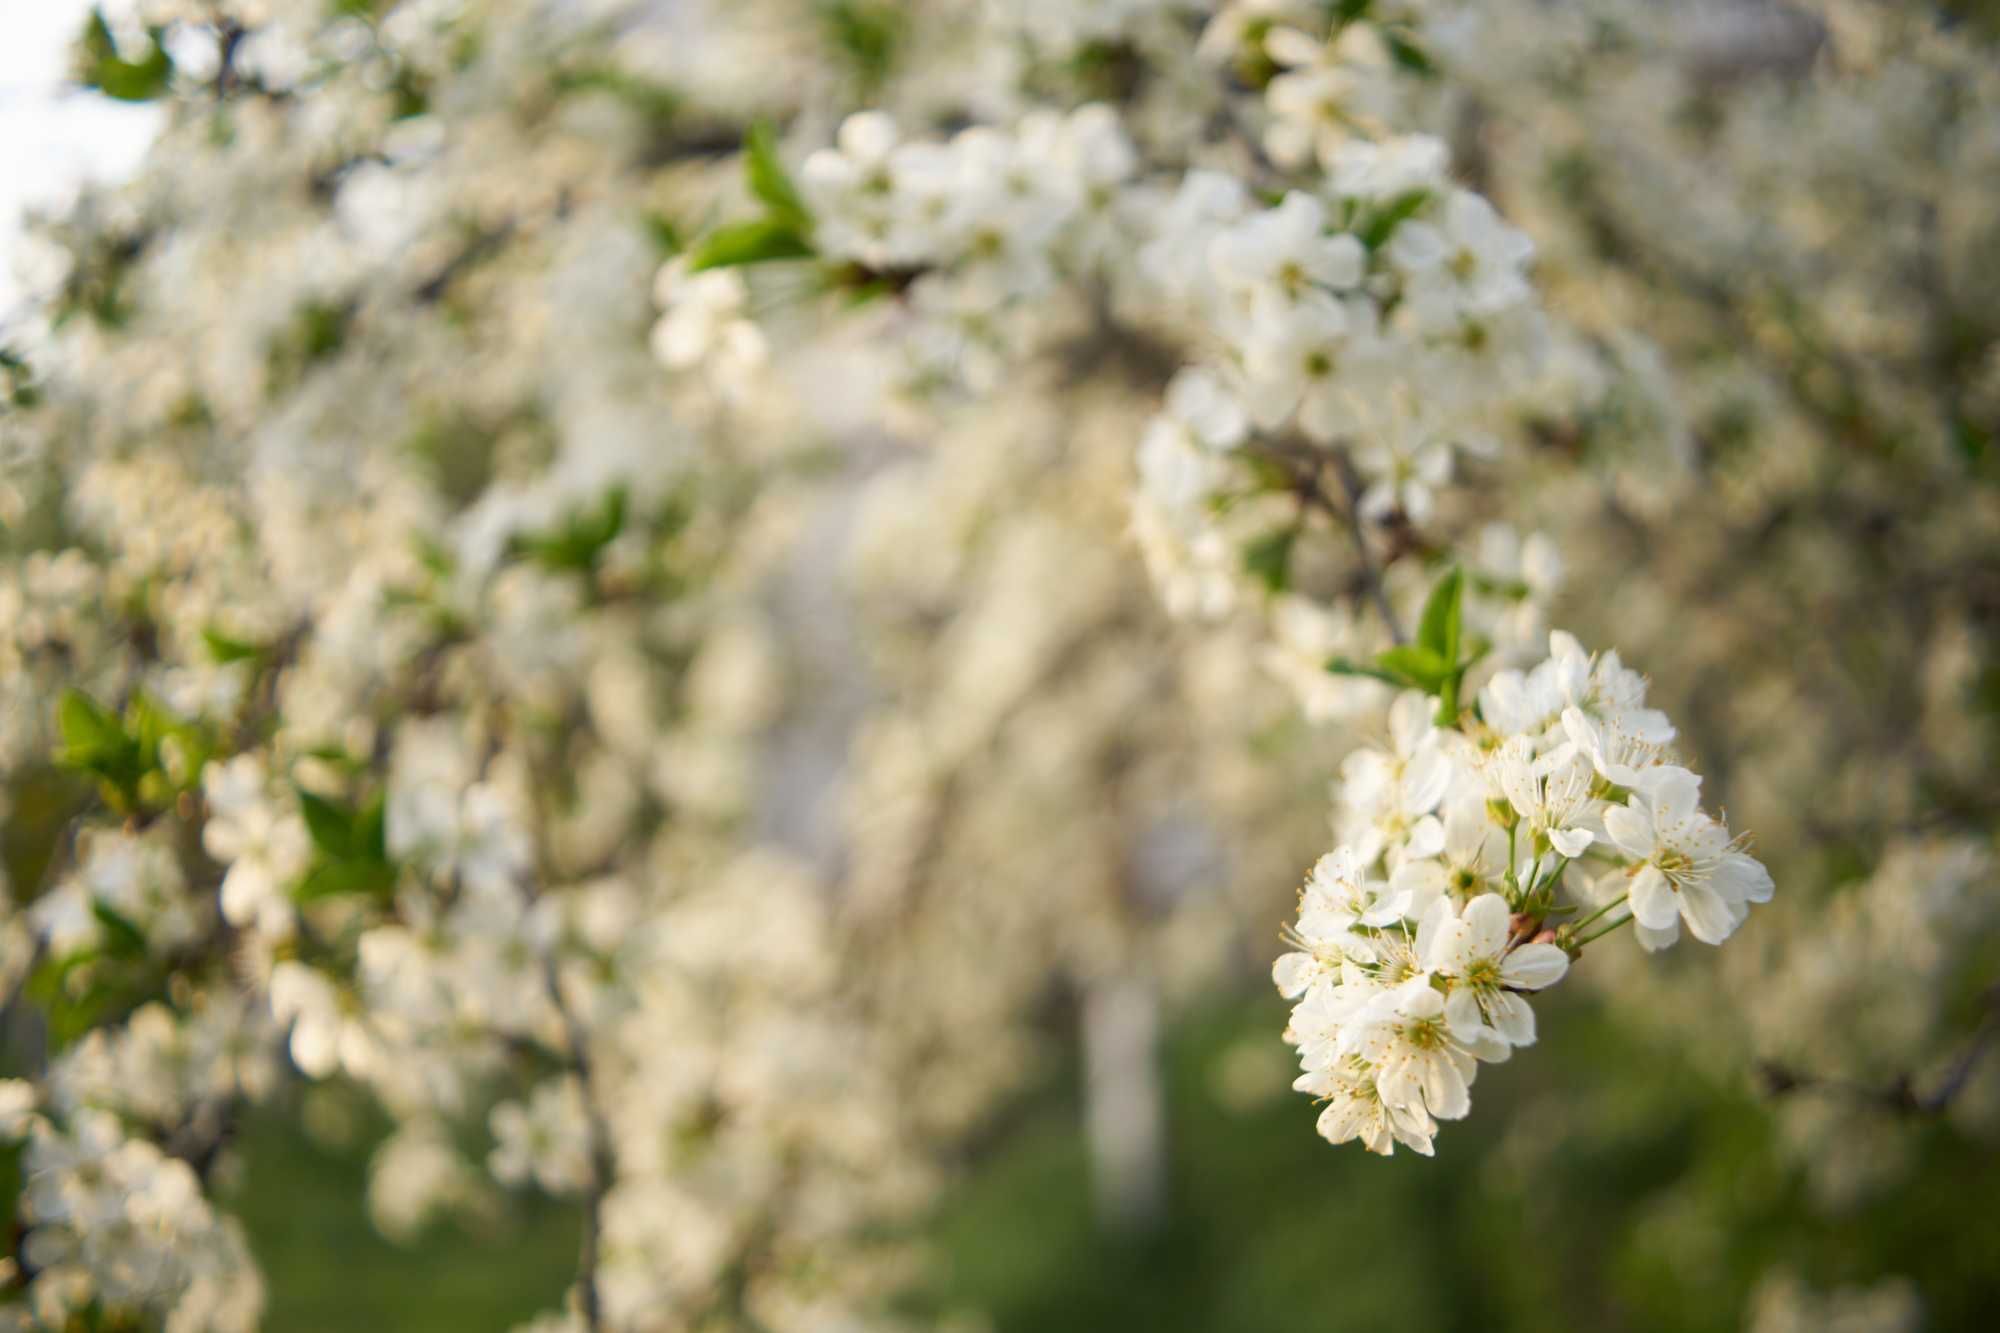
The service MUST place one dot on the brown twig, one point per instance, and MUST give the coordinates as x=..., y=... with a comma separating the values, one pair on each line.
x=1899, y=1096
x=1304, y=465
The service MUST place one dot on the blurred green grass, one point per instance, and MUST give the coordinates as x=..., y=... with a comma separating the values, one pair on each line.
x=1599, y=1184
x=303, y=1203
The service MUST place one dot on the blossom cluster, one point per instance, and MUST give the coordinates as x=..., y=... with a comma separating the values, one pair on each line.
x=1421, y=935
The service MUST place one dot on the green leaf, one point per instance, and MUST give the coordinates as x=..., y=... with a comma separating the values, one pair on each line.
x=1439, y=628
x=332, y=827
x=371, y=830
x=769, y=182
x=1415, y=665
x=664, y=233
x=88, y=730
x=1407, y=54
x=760, y=242
x=1269, y=558
x=122, y=938
x=12, y=1178
x=225, y=649
x=1343, y=666
x=126, y=80
x=579, y=543
x=337, y=878
x=1381, y=225
x=147, y=722
x=869, y=34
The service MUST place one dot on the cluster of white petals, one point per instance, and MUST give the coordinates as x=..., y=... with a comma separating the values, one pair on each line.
x=1467, y=844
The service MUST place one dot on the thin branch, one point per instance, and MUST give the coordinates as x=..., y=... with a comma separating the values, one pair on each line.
x=1371, y=575
x=602, y=1167
x=482, y=244
x=1899, y=1096
x=1304, y=466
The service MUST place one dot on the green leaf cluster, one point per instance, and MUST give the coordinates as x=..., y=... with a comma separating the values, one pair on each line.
x=101, y=67
x=577, y=544
x=350, y=846
x=785, y=230
x=1269, y=558
x=143, y=759
x=1437, y=660
x=1374, y=226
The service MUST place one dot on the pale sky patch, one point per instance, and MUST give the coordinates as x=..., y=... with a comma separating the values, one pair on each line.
x=53, y=135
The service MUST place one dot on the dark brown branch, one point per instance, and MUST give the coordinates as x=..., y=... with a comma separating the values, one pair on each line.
x=1304, y=465
x=1899, y=1096
x=602, y=1166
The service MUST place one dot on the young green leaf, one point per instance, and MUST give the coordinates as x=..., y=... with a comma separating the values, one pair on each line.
x=1382, y=224
x=226, y=649
x=122, y=938
x=1439, y=628
x=1269, y=558
x=332, y=827
x=1343, y=666
x=89, y=732
x=769, y=182
x=125, y=80
x=1415, y=664
x=337, y=878
x=1407, y=54
x=760, y=242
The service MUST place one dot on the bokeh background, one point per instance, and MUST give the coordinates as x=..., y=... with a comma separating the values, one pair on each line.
x=1778, y=495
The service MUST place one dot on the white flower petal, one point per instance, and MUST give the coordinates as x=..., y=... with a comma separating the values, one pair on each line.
x=1654, y=902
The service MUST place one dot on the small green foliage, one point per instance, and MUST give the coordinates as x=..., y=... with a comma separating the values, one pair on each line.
x=317, y=330
x=785, y=230
x=1269, y=558
x=664, y=233
x=768, y=180
x=95, y=742
x=1415, y=665
x=412, y=95
x=101, y=67
x=1437, y=661
x=351, y=846
x=1439, y=629
x=89, y=986
x=17, y=381
x=580, y=542
x=657, y=105
x=869, y=34
x=758, y=242
x=1973, y=442
x=142, y=761
x=1409, y=57
x=11, y=1181
x=457, y=449
x=1347, y=666
x=122, y=939
x=226, y=649
x=1378, y=225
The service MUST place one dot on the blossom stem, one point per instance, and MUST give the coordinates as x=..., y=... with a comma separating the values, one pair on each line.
x=1619, y=901
x=1602, y=931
